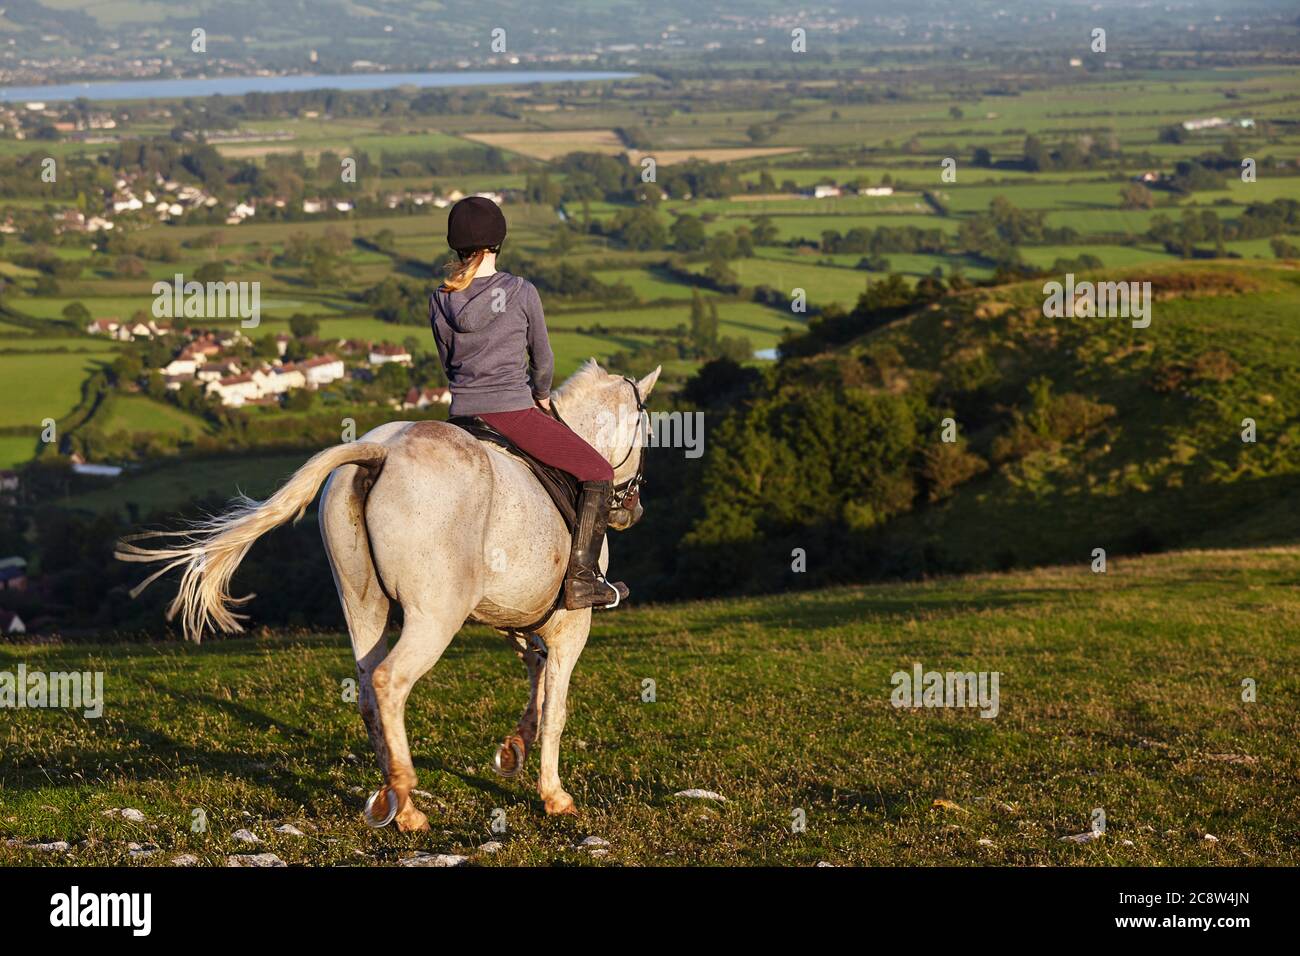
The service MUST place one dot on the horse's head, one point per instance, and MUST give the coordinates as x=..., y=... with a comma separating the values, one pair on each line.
x=608, y=411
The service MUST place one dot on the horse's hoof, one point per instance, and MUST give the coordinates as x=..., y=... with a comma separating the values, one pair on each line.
x=412, y=820
x=509, y=758
x=371, y=814
x=561, y=805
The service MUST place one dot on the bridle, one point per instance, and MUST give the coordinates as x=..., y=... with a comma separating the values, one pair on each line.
x=626, y=493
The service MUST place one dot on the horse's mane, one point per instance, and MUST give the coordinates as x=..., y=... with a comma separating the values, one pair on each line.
x=579, y=386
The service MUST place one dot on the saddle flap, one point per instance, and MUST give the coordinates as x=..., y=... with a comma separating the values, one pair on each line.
x=561, y=486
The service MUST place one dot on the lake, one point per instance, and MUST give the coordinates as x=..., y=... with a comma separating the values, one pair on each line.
x=239, y=85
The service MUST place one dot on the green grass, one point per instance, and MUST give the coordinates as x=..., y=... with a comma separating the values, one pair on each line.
x=16, y=449
x=168, y=486
x=135, y=413
x=40, y=386
x=1119, y=691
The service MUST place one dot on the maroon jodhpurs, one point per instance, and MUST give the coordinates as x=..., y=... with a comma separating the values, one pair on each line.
x=550, y=441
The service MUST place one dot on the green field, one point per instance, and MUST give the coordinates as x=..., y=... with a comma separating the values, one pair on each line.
x=1120, y=692
x=40, y=386
x=134, y=413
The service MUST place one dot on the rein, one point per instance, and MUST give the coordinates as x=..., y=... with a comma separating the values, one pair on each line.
x=624, y=490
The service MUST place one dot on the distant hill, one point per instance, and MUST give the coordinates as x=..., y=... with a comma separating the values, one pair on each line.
x=1072, y=434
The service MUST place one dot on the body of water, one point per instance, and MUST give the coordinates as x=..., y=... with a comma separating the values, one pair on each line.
x=239, y=85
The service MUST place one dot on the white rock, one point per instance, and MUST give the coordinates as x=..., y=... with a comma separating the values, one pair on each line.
x=289, y=829
x=255, y=859
x=492, y=846
x=245, y=836
x=58, y=846
x=422, y=793
x=984, y=841
x=592, y=842
x=138, y=850
x=1211, y=838
x=696, y=794
x=824, y=863
x=1126, y=842
x=1086, y=836
x=129, y=813
x=185, y=859
x=598, y=851
x=434, y=859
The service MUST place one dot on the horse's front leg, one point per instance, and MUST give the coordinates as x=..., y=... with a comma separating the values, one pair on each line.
x=565, y=636
x=514, y=750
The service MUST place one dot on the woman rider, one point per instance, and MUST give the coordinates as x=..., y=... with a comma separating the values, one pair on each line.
x=484, y=321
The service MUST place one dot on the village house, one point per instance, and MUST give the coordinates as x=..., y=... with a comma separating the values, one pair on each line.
x=181, y=365
x=216, y=371
x=236, y=390
x=424, y=397
x=82, y=467
x=384, y=354
x=322, y=370
x=109, y=327
x=285, y=378
x=11, y=623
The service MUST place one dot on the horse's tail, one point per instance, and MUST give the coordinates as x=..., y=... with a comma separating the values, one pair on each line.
x=210, y=550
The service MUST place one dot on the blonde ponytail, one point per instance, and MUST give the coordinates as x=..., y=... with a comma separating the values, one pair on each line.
x=461, y=272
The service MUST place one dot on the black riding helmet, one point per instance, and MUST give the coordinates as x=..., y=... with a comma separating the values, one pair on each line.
x=475, y=222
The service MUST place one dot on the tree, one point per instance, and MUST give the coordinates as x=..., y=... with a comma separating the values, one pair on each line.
x=211, y=272
x=688, y=234
x=76, y=313
x=639, y=228
x=303, y=326
x=1136, y=196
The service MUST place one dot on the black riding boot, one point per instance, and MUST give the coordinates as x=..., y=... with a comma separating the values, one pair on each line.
x=584, y=586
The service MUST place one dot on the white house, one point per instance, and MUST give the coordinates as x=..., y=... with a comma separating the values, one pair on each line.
x=215, y=372
x=11, y=623
x=383, y=354
x=234, y=391
x=323, y=370
x=877, y=191
x=312, y=206
x=180, y=366
x=284, y=378
x=424, y=397
x=825, y=191
x=103, y=327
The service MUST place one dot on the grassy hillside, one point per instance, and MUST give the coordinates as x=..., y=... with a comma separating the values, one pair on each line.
x=1139, y=444
x=1119, y=691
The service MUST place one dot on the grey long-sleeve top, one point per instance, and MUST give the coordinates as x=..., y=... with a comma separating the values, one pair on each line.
x=492, y=340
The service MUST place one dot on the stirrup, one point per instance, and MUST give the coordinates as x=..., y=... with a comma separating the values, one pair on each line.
x=618, y=593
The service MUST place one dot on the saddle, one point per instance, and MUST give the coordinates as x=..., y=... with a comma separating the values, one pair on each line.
x=559, y=484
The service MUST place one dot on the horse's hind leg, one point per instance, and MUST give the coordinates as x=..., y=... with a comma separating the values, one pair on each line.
x=515, y=748
x=365, y=605
x=424, y=637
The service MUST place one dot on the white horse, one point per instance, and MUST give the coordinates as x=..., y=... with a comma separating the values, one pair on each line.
x=423, y=515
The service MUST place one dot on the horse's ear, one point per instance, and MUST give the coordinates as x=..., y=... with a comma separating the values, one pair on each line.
x=648, y=382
